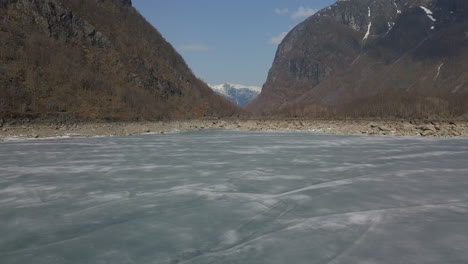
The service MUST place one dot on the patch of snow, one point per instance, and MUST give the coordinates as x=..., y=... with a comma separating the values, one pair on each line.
x=429, y=13
x=221, y=87
x=369, y=26
x=237, y=93
x=390, y=26
x=396, y=6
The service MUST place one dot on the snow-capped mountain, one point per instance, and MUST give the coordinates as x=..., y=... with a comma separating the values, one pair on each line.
x=237, y=93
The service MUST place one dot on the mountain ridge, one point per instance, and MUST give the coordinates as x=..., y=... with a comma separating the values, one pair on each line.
x=237, y=93
x=94, y=59
x=355, y=56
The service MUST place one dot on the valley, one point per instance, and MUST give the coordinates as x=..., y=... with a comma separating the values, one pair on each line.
x=121, y=141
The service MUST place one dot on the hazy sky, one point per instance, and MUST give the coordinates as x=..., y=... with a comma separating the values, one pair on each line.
x=227, y=41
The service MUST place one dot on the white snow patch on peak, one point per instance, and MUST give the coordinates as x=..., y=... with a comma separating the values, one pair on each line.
x=222, y=87
x=429, y=13
x=237, y=93
x=396, y=6
x=369, y=26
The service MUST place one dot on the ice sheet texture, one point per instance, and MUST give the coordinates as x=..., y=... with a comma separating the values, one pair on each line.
x=234, y=197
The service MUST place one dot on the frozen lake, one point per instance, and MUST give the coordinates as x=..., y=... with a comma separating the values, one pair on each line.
x=234, y=197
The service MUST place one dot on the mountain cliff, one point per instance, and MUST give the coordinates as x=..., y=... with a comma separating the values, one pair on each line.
x=94, y=59
x=237, y=93
x=373, y=58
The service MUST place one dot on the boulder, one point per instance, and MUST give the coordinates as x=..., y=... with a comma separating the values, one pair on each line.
x=427, y=133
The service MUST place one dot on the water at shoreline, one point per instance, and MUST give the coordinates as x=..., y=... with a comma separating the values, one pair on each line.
x=234, y=197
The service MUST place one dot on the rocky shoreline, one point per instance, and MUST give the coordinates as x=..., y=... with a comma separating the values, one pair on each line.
x=349, y=127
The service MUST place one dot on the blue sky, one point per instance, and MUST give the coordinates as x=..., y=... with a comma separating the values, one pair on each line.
x=227, y=41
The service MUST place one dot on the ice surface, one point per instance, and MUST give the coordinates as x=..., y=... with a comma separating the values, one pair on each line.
x=234, y=197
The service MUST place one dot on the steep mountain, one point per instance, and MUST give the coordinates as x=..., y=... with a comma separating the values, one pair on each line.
x=94, y=59
x=363, y=58
x=237, y=93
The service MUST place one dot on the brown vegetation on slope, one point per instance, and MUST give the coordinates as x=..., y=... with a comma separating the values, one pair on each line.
x=408, y=67
x=94, y=59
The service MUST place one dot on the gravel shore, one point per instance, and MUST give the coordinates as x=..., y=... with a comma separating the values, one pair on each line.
x=354, y=127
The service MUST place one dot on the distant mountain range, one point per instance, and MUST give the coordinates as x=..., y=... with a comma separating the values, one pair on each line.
x=237, y=93
x=373, y=58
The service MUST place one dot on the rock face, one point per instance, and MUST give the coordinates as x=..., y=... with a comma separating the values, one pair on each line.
x=237, y=93
x=402, y=58
x=125, y=2
x=94, y=59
